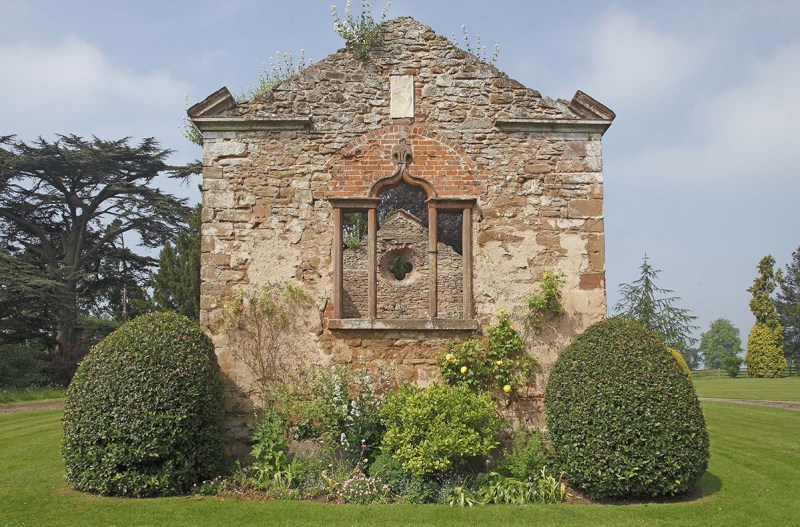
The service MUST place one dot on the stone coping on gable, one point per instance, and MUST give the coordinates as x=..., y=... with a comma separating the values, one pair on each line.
x=247, y=124
x=552, y=125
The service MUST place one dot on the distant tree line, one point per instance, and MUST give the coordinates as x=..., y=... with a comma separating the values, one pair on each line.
x=773, y=343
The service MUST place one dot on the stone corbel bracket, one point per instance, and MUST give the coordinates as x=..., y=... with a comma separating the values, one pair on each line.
x=208, y=116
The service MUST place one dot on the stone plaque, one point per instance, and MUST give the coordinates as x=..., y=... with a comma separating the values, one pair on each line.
x=402, y=96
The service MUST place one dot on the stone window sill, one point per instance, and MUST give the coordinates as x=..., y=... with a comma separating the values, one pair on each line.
x=447, y=324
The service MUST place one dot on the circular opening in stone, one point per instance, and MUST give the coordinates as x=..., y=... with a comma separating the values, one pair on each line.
x=398, y=265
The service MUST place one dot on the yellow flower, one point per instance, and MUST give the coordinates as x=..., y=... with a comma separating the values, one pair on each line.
x=507, y=388
x=449, y=356
x=463, y=369
x=499, y=363
x=502, y=311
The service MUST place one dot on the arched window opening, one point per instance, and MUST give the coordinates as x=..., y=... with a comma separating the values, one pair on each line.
x=402, y=256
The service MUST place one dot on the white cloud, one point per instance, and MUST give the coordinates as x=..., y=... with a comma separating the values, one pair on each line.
x=745, y=132
x=634, y=65
x=72, y=87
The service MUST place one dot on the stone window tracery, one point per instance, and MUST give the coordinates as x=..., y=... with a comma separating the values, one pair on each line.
x=402, y=256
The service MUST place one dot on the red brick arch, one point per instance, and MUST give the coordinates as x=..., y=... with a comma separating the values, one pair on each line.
x=436, y=160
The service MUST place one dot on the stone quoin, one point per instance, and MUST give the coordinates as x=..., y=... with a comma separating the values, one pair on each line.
x=494, y=184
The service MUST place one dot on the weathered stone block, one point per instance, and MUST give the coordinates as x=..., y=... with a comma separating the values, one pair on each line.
x=585, y=208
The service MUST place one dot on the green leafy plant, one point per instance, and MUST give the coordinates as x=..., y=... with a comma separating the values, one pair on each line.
x=547, y=302
x=354, y=228
x=459, y=495
x=24, y=366
x=400, y=266
x=402, y=484
x=526, y=456
x=143, y=415
x=732, y=364
x=624, y=419
x=430, y=430
x=542, y=488
x=359, y=32
x=765, y=351
x=269, y=446
x=500, y=362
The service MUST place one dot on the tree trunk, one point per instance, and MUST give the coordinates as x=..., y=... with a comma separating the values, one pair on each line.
x=68, y=351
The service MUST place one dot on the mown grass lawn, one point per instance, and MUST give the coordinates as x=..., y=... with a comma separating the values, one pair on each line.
x=751, y=480
x=31, y=394
x=782, y=389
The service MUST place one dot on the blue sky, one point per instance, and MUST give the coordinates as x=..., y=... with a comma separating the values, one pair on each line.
x=700, y=166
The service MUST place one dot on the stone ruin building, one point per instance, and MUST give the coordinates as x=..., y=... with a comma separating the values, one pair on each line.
x=413, y=194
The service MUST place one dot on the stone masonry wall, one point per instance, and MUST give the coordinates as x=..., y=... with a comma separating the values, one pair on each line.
x=408, y=298
x=267, y=218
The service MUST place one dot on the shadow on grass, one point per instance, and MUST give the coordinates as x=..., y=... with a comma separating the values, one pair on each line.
x=709, y=485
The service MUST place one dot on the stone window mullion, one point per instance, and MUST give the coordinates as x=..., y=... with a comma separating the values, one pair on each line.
x=372, y=263
x=433, y=303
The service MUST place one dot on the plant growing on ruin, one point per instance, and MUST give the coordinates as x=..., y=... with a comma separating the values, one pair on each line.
x=500, y=362
x=281, y=67
x=547, y=301
x=478, y=49
x=359, y=32
x=262, y=328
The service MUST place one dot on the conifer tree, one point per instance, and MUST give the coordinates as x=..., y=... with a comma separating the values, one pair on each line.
x=65, y=206
x=644, y=301
x=788, y=304
x=176, y=285
x=764, y=356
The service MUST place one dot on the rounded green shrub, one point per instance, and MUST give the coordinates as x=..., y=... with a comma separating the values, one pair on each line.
x=430, y=429
x=624, y=419
x=764, y=357
x=144, y=411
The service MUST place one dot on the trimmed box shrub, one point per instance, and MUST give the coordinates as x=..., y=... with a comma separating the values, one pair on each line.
x=144, y=411
x=430, y=429
x=624, y=418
